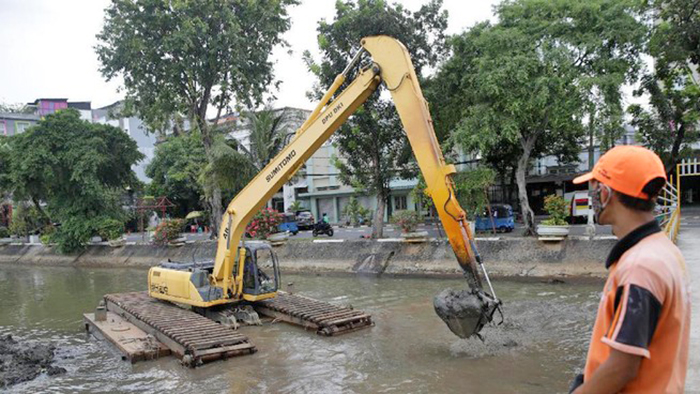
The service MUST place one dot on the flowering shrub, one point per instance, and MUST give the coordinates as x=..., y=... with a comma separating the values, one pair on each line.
x=264, y=223
x=407, y=220
x=167, y=231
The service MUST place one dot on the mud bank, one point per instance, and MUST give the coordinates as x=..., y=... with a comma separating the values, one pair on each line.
x=503, y=257
x=21, y=361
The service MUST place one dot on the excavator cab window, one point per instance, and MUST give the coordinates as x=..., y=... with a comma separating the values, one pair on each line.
x=261, y=271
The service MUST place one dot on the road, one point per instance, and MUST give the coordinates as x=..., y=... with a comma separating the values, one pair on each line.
x=390, y=231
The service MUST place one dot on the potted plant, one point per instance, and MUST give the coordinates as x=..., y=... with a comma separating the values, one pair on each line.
x=556, y=225
x=168, y=232
x=112, y=231
x=408, y=221
x=265, y=226
x=355, y=213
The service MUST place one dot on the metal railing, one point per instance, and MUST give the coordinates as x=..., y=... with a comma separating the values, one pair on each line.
x=669, y=210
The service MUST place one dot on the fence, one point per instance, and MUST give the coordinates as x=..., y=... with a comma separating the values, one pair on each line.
x=669, y=210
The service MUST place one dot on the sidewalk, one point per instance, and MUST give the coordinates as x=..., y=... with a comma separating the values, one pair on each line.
x=687, y=242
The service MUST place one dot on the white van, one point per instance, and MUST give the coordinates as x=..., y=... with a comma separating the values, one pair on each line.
x=579, y=205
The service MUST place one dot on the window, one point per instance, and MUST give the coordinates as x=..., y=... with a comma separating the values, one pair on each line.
x=400, y=203
x=21, y=126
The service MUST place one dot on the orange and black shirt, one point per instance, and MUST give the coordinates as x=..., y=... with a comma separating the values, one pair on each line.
x=645, y=310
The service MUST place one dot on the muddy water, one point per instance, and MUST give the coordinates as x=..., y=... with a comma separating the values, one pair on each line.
x=538, y=349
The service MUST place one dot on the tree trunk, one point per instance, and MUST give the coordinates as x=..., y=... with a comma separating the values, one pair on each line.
x=214, y=197
x=378, y=222
x=520, y=173
x=43, y=213
x=675, y=149
x=511, y=187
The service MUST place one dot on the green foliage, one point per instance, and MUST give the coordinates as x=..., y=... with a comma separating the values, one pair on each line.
x=558, y=210
x=472, y=187
x=187, y=57
x=225, y=160
x=175, y=170
x=4, y=232
x=670, y=125
x=420, y=194
x=26, y=220
x=173, y=54
x=407, y=220
x=47, y=234
x=521, y=87
x=111, y=229
x=676, y=33
x=79, y=169
x=16, y=108
x=267, y=135
x=372, y=143
x=167, y=230
x=295, y=206
x=264, y=223
x=354, y=212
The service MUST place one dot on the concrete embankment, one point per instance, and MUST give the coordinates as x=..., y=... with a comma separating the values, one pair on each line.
x=514, y=257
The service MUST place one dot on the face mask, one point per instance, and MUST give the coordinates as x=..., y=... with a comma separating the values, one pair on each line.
x=596, y=201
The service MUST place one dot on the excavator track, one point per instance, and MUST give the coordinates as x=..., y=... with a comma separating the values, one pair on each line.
x=190, y=336
x=324, y=318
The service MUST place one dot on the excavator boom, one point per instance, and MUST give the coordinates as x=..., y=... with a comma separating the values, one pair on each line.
x=464, y=312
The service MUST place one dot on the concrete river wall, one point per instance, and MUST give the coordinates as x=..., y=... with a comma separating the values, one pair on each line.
x=515, y=257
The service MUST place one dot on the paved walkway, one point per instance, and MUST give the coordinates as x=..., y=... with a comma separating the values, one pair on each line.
x=689, y=243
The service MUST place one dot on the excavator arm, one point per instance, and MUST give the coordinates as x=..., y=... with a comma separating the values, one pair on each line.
x=392, y=66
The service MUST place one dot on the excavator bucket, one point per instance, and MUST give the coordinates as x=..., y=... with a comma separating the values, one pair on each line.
x=465, y=312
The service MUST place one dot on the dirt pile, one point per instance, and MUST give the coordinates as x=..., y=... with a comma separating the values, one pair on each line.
x=21, y=362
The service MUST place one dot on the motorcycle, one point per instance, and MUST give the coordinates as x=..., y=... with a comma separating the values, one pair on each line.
x=322, y=228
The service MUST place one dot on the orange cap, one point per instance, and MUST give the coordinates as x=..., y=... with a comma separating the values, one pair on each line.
x=626, y=169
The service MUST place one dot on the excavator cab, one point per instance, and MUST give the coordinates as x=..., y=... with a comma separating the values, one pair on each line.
x=261, y=276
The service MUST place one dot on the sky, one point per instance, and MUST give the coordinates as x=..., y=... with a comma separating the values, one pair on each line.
x=47, y=48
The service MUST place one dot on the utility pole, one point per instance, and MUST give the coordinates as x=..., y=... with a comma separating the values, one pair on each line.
x=590, y=226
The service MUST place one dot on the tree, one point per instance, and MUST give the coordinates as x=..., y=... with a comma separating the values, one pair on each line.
x=187, y=57
x=372, y=143
x=175, y=172
x=16, y=108
x=670, y=125
x=268, y=133
x=472, y=187
x=522, y=85
x=79, y=169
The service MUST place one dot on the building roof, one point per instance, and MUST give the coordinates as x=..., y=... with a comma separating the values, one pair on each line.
x=47, y=99
x=84, y=105
x=18, y=116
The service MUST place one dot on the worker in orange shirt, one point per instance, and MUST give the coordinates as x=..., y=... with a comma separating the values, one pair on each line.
x=641, y=333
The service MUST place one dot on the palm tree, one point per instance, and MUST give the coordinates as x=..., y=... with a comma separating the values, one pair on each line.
x=268, y=132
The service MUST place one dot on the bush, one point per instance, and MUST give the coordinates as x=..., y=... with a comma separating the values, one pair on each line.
x=4, y=232
x=48, y=234
x=354, y=212
x=264, y=223
x=557, y=209
x=407, y=220
x=167, y=231
x=110, y=229
x=26, y=220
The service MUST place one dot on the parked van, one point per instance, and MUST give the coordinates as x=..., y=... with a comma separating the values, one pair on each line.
x=501, y=219
x=579, y=205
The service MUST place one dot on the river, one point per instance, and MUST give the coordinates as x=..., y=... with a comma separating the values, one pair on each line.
x=538, y=348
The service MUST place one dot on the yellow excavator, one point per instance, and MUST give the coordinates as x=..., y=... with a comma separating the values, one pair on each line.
x=237, y=276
